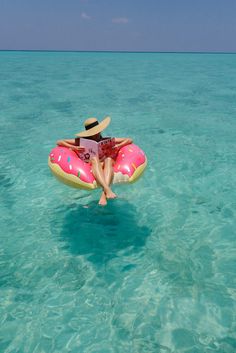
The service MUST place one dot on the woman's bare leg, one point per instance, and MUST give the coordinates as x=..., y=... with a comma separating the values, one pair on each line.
x=108, y=174
x=100, y=177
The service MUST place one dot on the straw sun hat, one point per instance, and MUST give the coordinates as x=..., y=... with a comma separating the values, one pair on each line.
x=93, y=127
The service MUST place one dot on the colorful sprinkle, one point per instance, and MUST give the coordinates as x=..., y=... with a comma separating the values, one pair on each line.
x=126, y=163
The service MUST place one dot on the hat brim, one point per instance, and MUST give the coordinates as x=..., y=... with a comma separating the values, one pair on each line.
x=96, y=129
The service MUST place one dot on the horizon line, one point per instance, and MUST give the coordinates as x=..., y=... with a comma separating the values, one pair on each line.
x=117, y=51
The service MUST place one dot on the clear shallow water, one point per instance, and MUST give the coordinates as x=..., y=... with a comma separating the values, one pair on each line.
x=154, y=271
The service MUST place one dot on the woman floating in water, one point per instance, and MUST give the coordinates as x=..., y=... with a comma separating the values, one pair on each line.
x=102, y=163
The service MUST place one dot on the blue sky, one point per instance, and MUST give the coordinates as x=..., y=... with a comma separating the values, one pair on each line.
x=133, y=25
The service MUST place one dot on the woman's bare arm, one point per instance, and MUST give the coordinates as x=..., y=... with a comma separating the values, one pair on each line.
x=70, y=143
x=122, y=141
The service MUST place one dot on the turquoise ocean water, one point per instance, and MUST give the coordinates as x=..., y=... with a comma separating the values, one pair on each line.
x=154, y=271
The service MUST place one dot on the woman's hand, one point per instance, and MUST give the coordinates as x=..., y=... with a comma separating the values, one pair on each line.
x=115, y=148
x=77, y=148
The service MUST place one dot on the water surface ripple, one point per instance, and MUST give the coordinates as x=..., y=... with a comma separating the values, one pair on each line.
x=152, y=272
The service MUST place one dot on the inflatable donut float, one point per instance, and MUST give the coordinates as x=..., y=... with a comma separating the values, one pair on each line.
x=68, y=168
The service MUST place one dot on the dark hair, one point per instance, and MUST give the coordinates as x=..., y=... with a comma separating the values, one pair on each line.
x=77, y=139
x=89, y=137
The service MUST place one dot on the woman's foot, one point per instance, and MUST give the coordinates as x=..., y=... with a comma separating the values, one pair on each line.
x=110, y=194
x=103, y=200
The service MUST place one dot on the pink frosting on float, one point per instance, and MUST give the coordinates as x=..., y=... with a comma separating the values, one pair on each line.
x=70, y=163
x=128, y=159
